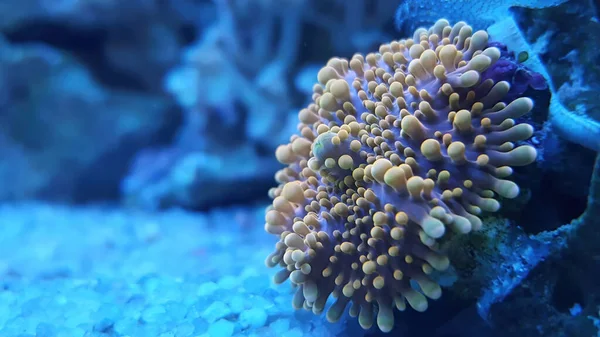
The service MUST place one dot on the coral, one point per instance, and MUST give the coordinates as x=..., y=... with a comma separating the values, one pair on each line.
x=400, y=150
x=233, y=79
x=577, y=127
x=232, y=76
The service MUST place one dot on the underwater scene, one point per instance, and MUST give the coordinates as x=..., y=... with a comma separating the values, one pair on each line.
x=299, y=168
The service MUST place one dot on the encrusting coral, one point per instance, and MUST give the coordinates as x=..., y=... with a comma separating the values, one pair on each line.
x=400, y=149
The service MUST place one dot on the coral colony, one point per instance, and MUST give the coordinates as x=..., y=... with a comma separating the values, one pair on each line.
x=399, y=150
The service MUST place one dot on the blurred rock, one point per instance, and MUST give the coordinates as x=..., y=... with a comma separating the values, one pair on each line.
x=131, y=43
x=170, y=177
x=560, y=36
x=532, y=285
x=63, y=136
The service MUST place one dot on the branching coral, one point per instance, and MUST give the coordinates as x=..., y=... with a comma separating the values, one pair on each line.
x=399, y=150
x=237, y=69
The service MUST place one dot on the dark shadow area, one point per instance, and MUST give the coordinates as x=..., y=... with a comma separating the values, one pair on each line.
x=567, y=291
x=555, y=192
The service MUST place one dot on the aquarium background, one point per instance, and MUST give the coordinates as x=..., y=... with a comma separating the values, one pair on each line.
x=137, y=151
